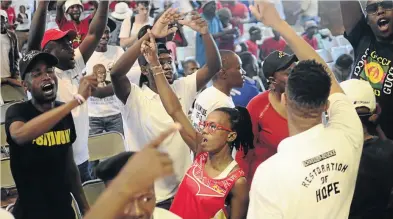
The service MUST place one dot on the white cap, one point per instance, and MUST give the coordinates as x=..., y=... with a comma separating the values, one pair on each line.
x=70, y=3
x=360, y=93
x=309, y=24
x=121, y=11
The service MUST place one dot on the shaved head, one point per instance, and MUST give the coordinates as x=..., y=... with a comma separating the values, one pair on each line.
x=228, y=58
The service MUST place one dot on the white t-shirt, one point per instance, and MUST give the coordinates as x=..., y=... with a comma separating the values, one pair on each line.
x=145, y=118
x=313, y=174
x=209, y=100
x=108, y=106
x=160, y=213
x=125, y=30
x=26, y=23
x=68, y=84
x=5, y=60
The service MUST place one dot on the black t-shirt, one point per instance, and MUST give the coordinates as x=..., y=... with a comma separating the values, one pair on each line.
x=375, y=180
x=39, y=167
x=373, y=63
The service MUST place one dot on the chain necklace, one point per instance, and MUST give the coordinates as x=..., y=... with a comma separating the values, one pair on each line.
x=78, y=38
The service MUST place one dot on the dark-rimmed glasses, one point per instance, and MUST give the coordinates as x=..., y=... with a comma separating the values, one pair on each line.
x=373, y=8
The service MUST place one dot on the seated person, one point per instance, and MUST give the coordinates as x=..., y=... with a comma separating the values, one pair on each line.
x=311, y=29
x=342, y=68
x=141, y=206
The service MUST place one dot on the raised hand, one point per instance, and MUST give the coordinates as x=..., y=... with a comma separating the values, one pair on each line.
x=87, y=86
x=196, y=23
x=266, y=12
x=59, y=2
x=161, y=28
x=149, y=50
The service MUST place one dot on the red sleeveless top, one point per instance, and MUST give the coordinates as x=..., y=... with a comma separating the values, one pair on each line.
x=199, y=196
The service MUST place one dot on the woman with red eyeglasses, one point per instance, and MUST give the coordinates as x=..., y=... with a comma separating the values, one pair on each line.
x=214, y=182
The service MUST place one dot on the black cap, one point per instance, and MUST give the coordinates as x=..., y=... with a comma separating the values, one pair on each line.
x=109, y=168
x=32, y=56
x=277, y=61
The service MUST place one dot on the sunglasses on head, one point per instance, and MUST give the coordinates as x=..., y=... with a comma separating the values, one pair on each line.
x=212, y=127
x=373, y=8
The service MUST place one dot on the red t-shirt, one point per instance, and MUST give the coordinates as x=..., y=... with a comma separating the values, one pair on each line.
x=200, y=196
x=252, y=47
x=81, y=29
x=313, y=42
x=269, y=129
x=270, y=45
x=239, y=10
x=11, y=15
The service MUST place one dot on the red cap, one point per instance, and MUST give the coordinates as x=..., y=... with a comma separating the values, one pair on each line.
x=55, y=34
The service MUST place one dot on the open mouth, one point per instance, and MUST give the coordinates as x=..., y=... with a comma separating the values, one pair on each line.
x=204, y=140
x=383, y=24
x=168, y=74
x=48, y=89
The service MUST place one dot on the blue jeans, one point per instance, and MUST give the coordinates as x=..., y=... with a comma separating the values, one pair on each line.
x=85, y=171
x=106, y=124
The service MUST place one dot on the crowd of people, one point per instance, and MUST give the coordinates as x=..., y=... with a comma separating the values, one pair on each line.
x=250, y=126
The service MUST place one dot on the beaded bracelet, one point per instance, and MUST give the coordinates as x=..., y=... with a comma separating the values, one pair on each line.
x=158, y=67
x=158, y=73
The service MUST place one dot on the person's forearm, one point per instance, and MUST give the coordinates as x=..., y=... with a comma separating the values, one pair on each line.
x=38, y=25
x=167, y=95
x=127, y=60
x=59, y=11
x=351, y=13
x=127, y=42
x=173, y=107
x=101, y=16
x=303, y=50
x=42, y=123
x=213, y=58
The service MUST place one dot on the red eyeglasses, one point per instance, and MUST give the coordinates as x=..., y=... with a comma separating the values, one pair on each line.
x=212, y=127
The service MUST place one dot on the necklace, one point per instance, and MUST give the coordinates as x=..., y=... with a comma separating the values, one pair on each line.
x=78, y=38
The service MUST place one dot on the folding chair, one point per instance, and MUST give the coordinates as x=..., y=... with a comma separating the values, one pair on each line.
x=342, y=41
x=105, y=145
x=325, y=54
x=7, y=181
x=183, y=52
x=93, y=190
x=330, y=65
x=75, y=206
x=3, y=136
x=12, y=93
x=10, y=207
